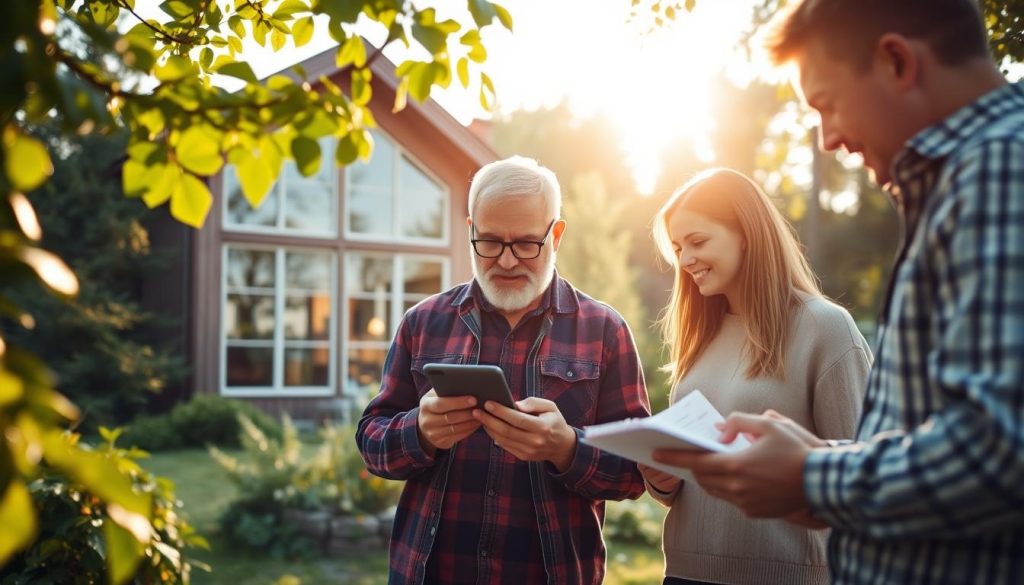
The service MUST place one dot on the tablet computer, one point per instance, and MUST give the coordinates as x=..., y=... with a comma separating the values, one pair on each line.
x=483, y=382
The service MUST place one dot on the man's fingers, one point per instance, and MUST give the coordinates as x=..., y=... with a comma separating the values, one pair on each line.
x=433, y=403
x=535, y=405
x=514, y=418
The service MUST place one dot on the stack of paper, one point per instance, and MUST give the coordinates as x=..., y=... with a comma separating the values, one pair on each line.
x=687, y=424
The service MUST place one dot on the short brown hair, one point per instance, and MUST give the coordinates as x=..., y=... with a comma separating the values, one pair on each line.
x=849, y=29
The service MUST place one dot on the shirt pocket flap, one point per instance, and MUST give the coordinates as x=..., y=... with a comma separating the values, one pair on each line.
x=445, y=358
x=569, y=370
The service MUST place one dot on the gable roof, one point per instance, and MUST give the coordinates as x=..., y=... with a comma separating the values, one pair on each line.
x=323, y=64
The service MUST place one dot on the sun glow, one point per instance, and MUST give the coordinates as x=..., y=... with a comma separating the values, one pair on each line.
x=654, y=85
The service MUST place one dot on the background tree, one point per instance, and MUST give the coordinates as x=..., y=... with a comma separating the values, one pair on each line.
x=106, y=352
x=55, y=58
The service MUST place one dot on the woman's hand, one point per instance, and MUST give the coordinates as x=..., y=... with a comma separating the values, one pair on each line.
x=661, y=481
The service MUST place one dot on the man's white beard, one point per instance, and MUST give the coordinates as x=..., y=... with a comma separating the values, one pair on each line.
x=511, y=300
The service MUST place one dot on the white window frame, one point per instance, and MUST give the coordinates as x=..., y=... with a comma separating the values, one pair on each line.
x=278, y=388
x=396, y=236
x=397, y=298
x=279, y=229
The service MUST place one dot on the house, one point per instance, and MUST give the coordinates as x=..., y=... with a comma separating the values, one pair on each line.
x=292, y=305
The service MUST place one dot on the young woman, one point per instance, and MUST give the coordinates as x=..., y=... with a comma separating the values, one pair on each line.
x=748, y=327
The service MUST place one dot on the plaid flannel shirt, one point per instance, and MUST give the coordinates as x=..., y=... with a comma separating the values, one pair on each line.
x=934, y=493
x=583, y=358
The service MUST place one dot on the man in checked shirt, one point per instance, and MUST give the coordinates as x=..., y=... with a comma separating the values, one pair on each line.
x=496, y=495
x=933, y=490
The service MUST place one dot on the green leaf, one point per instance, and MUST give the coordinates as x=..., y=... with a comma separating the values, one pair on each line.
x=11, y=389
x=463, y=71
x=289, y=8
x=257, y=169
x=176, y=67
x=503, y=16
x=486, y=92
x=160, y=180
x=238, y=69
x=432, y=39
x=339, y=10
x=277, y=39
x=306, y=153
x=361, y=91
x=347, y=150
x=236, y=25
x=102, y=12
x=483, y=12
x=177, y=8
x=302, y=31
x=191, y=201
x=199, y=150
x=18, y=517
x=351, y=51
x=26, y=162
x=124, y=552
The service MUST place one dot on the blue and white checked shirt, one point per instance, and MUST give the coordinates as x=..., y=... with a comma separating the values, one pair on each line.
x=933, y=492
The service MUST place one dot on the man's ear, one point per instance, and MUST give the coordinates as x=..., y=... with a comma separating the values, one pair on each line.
x=900, y=59
x=556, y=233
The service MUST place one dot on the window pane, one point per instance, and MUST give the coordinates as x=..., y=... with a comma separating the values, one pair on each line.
x=369, y=211
x=308, y=270
x=250, y=268
x=306, y=366
x=368, y=274
x=250, y=366
x=307, y=317
x=309, y=202
x=249, y=316
x=240, y=212
x=364, y=369
x=421, y=203
x=422, y=277
x=369, y=320
x=378, y=171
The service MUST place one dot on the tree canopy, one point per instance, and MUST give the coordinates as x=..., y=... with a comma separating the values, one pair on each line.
x=96, y=66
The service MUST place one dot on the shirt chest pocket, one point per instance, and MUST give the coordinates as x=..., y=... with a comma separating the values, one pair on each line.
x=423, y=384
x=572, y=384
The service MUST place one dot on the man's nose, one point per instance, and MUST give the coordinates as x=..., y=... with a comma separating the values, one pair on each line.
x=507, y=260
x=829, y=138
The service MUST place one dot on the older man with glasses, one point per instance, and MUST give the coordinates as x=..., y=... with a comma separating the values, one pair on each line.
x=493, y=494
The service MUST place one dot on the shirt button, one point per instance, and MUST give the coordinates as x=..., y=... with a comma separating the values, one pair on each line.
x=483, y=553
x=490, y=493
x=569, y=374
x=432, y=530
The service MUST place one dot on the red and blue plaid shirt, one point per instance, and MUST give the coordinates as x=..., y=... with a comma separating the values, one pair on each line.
x=475, y=513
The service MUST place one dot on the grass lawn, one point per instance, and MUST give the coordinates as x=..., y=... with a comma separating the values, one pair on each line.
x=206, y=492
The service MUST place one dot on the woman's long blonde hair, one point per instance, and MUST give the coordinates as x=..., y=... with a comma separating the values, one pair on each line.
x=773, y=270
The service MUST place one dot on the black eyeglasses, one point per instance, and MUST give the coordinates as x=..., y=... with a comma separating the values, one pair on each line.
x=521, y=249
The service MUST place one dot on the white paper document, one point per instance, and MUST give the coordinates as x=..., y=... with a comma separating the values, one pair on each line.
x=687, y=424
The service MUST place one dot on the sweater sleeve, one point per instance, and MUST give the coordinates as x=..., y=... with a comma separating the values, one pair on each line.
x=838, y=394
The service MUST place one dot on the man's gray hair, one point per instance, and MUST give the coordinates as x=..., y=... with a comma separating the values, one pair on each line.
x=515, y=176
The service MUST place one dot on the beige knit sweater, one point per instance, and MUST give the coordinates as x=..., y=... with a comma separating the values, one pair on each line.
x=827, y=363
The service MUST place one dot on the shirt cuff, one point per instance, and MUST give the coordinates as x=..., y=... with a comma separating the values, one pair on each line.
x=411, y=440
x=582, y=466
x=823, y=483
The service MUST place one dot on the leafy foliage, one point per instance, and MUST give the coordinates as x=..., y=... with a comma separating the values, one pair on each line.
x=56, y=61
x=79, y=540
x=204, y=420
x=272, y=475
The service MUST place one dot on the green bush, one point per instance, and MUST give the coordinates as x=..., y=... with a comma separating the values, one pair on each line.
x=635, y=521
x=205, y=420
x=72, y=545
x=275, y=475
